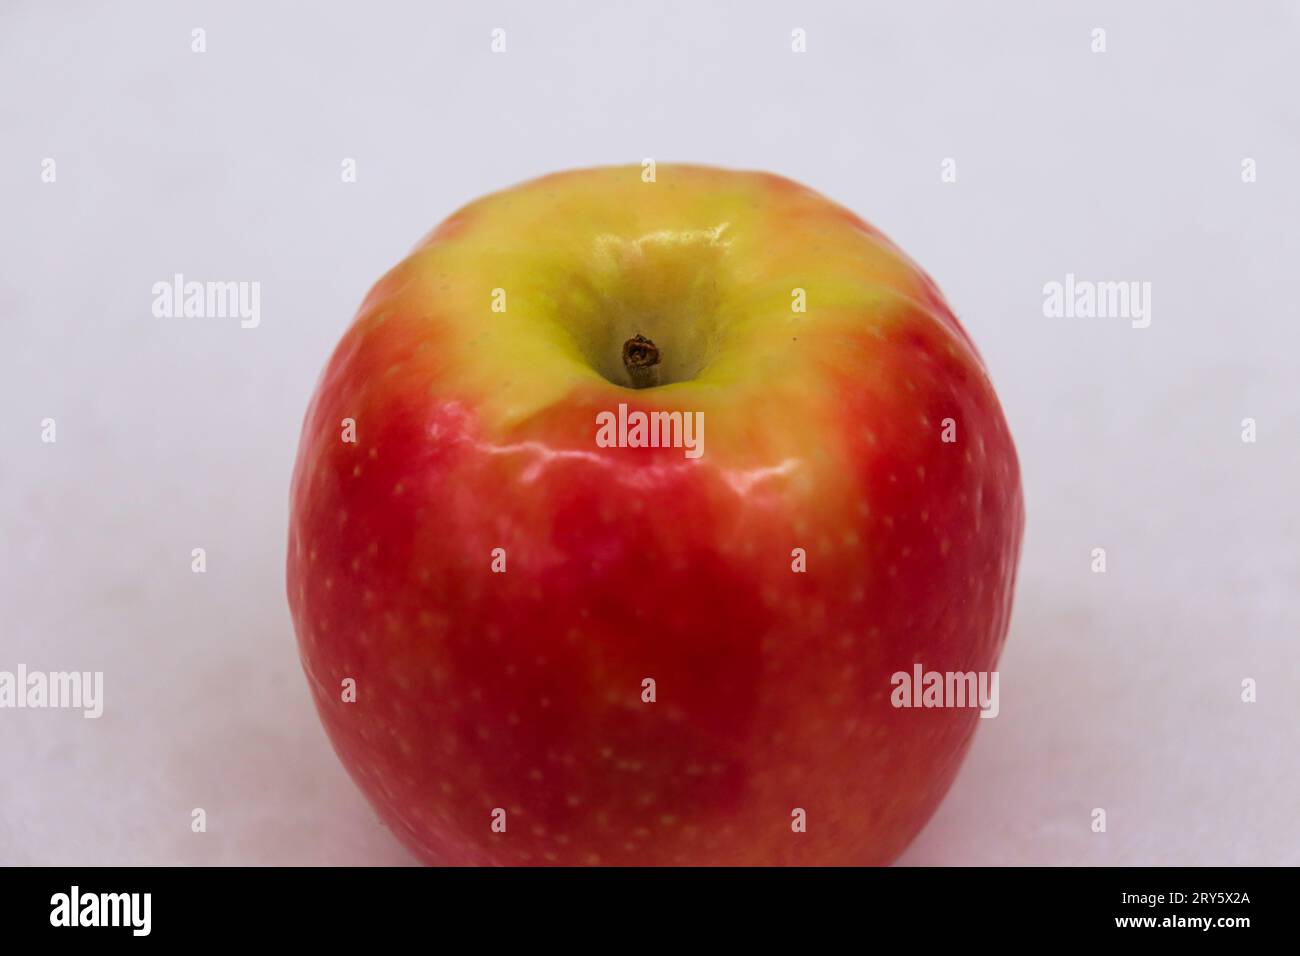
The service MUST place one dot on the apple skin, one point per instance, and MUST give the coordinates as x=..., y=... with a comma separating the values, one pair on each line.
x=475, y=430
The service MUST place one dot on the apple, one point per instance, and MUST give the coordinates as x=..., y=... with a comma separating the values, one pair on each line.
x=539, y=628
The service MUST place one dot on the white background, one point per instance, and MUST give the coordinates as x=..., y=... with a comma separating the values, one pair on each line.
x=1119, y=691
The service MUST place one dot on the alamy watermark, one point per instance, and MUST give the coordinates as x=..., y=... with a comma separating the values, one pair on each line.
x=922, y=688
x=179, y=299
x=1084, y=299
x=638, y=429
x=130, y=910
x=71, y=690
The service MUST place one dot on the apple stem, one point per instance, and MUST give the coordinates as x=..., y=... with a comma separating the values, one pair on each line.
x=641, y=358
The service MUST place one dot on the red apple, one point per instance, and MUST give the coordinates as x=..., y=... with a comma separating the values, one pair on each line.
x=484, y=581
